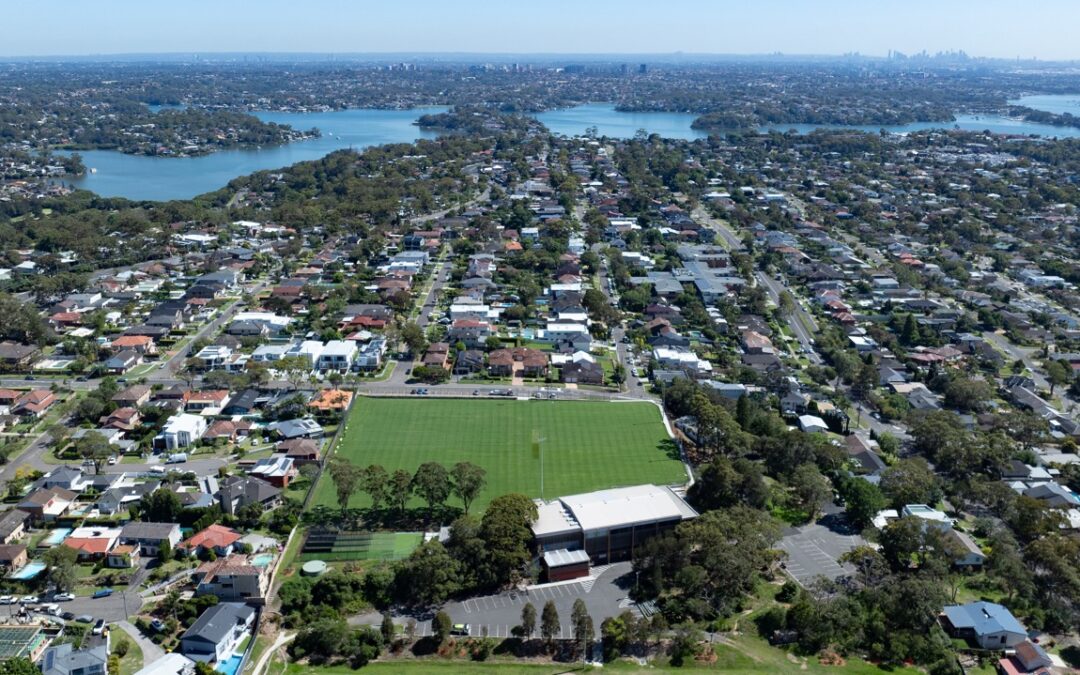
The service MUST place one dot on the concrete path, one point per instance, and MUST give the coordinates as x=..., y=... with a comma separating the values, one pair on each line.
x=150, y=651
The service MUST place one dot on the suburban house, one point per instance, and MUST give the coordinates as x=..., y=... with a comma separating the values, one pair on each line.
x=64, y=659
x=217, y=632
x=216, y=538
x=134, y=396
x=13, y=556
x=150, y=537
x=298, y=428
x=236, y=492
x=92, y=543
x=15, y=356
x=34, y=404
x=47, y=504
x=988, y=624
x=12, y=526
x=180, y=431
x=278, y=470
x=122, y=557
x=300, y=450
x=232, y=578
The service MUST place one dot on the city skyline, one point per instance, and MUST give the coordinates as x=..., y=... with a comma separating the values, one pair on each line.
x=994, y=28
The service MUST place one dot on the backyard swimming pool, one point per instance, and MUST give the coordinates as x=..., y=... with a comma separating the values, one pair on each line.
x=262, y=560
x=230, y=665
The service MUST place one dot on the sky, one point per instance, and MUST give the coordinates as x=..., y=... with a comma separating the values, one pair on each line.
x=1042, y=29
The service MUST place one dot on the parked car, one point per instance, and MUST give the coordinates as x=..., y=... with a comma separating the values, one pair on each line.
x=54, y=610
x=7, y=600
x=158, y=625
x=103, y=593
x=99, y=627
x=85, y=618
x=28, y=600
x=63, y=597
x=113, y=460
x=68, y=616
x=459, y=629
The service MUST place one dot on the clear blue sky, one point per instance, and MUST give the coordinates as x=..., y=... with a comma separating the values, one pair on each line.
x=1040, y=28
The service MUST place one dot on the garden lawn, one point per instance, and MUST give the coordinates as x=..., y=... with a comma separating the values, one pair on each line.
x=586, y=445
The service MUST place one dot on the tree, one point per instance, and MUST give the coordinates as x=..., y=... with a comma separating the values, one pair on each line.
x=387, y=628
x=95, y=448
x=812, y=490
x=1057, y=373
x=375, y=481
x=346, y=479
x=18, y=666
x=909, y=334
x=61, y=561
x=1006, y=567
x=160, y=506
x=428, y=576
x=432, y=483
x=165, y=552
x=528, y=620
x=967, y=394
x=862, y=500
x=549, y=622
x=506, y=529
x=786, y=303
x=910, y=481
x=469, y=480
x=441, y=626
x=724, y=483
x=413, y=337
x=320, y=640
x=582, y=623
x=400, y=489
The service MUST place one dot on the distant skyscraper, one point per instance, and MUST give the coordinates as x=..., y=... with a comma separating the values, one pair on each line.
x=643, y=68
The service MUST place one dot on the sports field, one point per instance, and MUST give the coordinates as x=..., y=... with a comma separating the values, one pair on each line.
x=585, y=445
x=362, y=546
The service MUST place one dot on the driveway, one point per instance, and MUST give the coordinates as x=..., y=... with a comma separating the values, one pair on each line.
x=150, y=651
x=814, y=550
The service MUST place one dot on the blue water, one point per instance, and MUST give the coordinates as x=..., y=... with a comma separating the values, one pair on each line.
x=1052, y=103
x=993, y=123
x=230, y=665
x=610, y=122
x=159, y=178
x=56, y=537
x=262, y=560
x=29, y=572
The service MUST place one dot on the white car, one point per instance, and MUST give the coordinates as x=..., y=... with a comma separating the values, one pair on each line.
x=7, y=600
x=113, y=460
x=29, y=600
x=63, y=597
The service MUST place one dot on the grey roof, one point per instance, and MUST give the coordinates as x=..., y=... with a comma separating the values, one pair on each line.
x=217, y=622
x=65, y=660
x=984, y=618
x=11, y=521
x=137, y=530
x=563, y=557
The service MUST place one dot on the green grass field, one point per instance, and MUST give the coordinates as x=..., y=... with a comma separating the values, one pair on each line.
x=371, y=546
x=586, y=445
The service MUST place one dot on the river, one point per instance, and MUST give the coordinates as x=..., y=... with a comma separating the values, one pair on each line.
x=163, y=178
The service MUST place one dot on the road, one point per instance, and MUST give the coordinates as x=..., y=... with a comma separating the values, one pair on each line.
x=730, y=239
x=797, y=320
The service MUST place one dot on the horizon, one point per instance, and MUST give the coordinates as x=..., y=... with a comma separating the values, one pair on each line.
x=987, y=29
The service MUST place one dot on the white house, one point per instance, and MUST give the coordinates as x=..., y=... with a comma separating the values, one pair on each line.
x=337, y=355
x=181, y=431
x=812, y=424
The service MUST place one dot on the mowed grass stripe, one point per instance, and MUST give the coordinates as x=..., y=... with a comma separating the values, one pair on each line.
x=587, y=445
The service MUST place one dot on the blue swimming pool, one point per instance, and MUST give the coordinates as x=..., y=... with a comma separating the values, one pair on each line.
x=29, y=572
x=262, y=560
x=229, y=666
x=56, y=537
